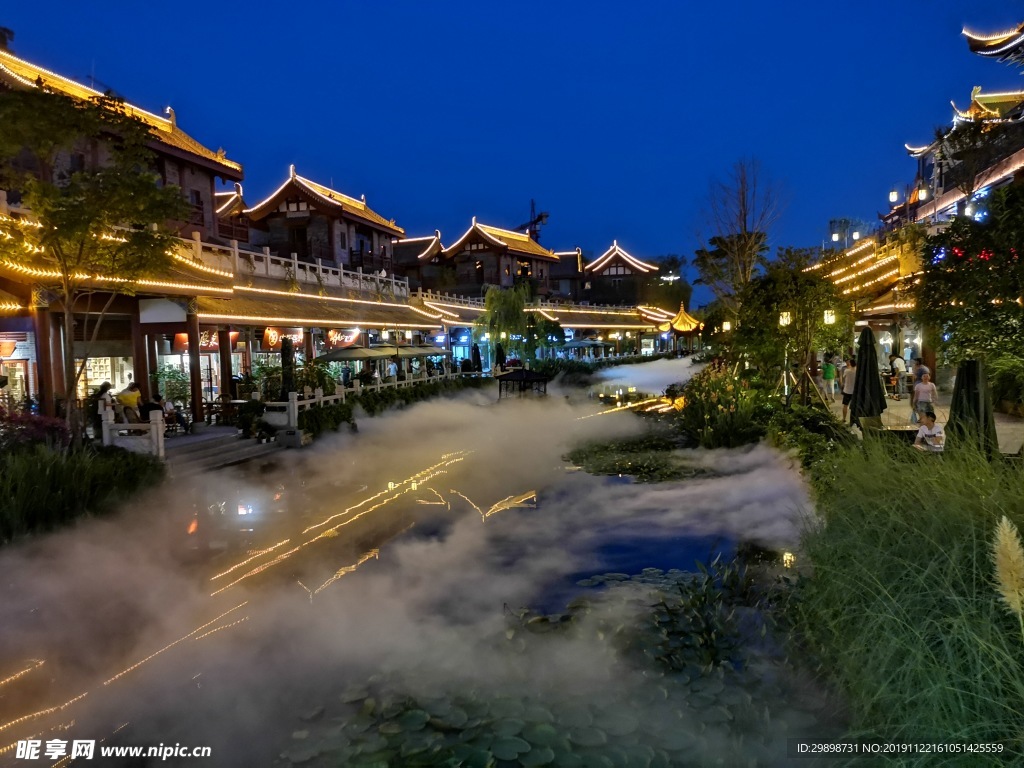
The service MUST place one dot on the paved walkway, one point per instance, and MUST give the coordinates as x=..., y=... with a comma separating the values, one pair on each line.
x=1010, y=429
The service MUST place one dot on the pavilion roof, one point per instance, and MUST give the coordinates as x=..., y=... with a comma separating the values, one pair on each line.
x=683, y=322
x=20, y=74
x=515, y=242
x=324, y=198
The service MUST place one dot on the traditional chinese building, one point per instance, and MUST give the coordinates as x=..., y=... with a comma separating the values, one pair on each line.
x=419, y=260
x=616, y=277
x=315, y=222
x=31, y=326
x=487, y=256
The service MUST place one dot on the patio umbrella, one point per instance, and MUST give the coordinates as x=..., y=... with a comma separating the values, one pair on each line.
x=499, y=356
x=477, y=362
x=868, y=392
x=970, y=412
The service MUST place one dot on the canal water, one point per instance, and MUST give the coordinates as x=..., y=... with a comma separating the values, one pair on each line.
x=440, y=588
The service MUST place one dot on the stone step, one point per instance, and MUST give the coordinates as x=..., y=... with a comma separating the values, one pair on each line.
x=225, y=456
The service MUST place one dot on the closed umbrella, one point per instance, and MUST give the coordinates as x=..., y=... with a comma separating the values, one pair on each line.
x=868, y=392
x=477, y=361
x=499, y=356
x=970, y=413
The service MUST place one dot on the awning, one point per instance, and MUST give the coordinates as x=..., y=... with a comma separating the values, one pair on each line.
x=354, y=353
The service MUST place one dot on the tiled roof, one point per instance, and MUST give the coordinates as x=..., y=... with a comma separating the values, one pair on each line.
x=297, y=309
x=18, y=73
x=325, y=196
x=516, y=242
x=413, y=249
x=616, y=253
x=593, y=317
x=682, y=323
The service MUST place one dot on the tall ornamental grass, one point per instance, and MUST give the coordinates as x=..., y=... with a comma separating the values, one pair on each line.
x=904, y=607
x=42, y=489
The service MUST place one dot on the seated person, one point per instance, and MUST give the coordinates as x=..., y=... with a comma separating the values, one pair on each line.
x=130, y=398
x=155, y=404
x=173, y=416
x=930, y=436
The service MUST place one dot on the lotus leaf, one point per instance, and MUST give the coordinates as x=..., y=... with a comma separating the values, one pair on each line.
x=508, y=727
x=538, y=756
x=588, y=737
x=509, y=748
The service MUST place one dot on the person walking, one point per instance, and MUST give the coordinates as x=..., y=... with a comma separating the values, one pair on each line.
x=925, y=395
x=828, y=379
x=920, y=369
x=849, y=377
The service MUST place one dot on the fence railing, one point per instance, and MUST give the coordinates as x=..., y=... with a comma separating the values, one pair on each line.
x=247, y=263
x=141, y=437
x=285, y=414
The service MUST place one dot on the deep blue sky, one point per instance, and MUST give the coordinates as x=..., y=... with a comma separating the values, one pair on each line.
x=614, y=116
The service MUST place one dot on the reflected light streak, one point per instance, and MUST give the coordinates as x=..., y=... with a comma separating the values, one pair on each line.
x=36, y=664
x=345, y=571
x=41, y=713
x=627, y=407
x=446, y=459
x=218, y=629
x=474, y=506
x=513, y=502
x=442, y=502
x=417, y=479
x=171, y=645
x=259, y=554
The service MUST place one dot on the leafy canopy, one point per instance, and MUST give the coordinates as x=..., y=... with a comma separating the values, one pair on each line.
x=972, y=280
x=85, y=172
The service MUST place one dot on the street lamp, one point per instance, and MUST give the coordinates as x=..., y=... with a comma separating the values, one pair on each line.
x=726, y=326
x=785, y=318
x=830, y=317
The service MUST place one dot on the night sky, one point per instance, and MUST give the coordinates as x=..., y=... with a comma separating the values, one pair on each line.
x=613, y=116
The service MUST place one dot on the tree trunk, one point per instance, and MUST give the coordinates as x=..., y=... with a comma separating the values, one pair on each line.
x=73, y=414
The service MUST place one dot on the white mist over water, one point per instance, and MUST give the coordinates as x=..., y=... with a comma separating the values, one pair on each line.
x=94, y=600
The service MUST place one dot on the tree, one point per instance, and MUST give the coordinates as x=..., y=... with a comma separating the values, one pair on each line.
x=504, y=313
x=94, y=227
x=740, y=211
x=972, y=281
x=788, y=286
x=970, y=148
x=667, y=288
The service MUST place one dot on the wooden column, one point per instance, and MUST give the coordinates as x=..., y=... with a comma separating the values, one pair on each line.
x=140, y=356
x=154, y=359
x=309, y=350
x=195, y=373
x=44, y=364
x=224, y=353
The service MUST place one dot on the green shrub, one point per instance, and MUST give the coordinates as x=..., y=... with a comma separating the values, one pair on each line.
x=722, y=410
x=1006, y=377
x=812, y=430
x=42, y=489
x=321, y=418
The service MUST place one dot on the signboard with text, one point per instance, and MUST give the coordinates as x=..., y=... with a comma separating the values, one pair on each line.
x=337, y=338
x=272, y=337
x=208, y=341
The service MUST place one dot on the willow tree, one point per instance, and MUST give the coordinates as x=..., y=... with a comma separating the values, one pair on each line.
x=504, y=313
x=92, y=216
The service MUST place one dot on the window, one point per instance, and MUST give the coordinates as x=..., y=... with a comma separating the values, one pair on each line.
x=343, y=239
x=195, y=197
x=617, y=269
x=76, y=162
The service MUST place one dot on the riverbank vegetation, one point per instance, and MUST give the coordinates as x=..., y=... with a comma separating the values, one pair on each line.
x=45, y=484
